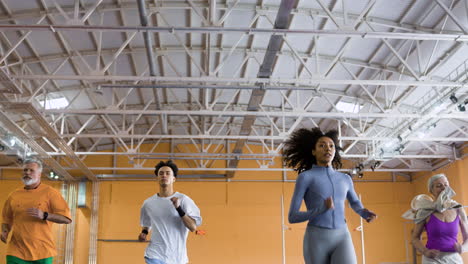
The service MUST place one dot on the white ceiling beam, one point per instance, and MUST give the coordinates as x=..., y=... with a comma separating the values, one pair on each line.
x=238, y=88
x=260, y=137
x=170, y=50
x=240, y=113
x=18, y=42
x=82, y=128
x=329, y=14
x=180, y=40
x=90, y=11
x=374, y=100
x=227, y=30
x=199, y=12
x=62, y=12
x=32, y=143
x=395, y=52
x=226, y=57
x=52, y=134
x=252, y=81
x=227, y=12
x=228, y=8
x=452, y=16
x=118, y=52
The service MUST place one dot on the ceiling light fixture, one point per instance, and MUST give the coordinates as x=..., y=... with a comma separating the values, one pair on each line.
x=453, y=98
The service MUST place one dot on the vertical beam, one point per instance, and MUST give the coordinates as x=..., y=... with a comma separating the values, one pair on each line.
x=213, y=12
x=70, y=228
x=94, y=225
x=283, y=228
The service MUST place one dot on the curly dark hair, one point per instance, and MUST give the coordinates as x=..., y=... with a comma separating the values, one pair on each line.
x=168, y=163
x=297, y=152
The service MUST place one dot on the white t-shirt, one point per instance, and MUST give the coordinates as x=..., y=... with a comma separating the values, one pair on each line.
x=169, y=234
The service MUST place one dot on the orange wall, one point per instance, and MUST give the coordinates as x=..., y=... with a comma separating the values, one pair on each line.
x=243, y=219
x=243, y=222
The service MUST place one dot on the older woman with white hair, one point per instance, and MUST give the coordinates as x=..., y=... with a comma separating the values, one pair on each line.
x=443, y=219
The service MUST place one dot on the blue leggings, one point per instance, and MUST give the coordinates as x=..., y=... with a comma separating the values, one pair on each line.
x=328, y=246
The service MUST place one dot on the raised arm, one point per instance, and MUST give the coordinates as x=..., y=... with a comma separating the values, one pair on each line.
x=56, y=218
x=58, y=211
x=189, y=222
x=189, y=212
x=296, y=216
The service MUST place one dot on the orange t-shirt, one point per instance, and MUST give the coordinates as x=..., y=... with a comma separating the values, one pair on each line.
x=32, y=238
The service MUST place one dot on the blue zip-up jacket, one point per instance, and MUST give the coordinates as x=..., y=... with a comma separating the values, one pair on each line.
x=314, y=186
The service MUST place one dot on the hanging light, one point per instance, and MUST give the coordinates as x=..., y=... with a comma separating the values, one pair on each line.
x=11, y=140
x=453, y=98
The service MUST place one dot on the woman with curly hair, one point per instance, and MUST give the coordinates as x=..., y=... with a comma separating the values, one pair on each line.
x=315, y=156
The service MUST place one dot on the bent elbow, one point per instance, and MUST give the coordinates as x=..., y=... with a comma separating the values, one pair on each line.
x=415, y=241
x=292, y=219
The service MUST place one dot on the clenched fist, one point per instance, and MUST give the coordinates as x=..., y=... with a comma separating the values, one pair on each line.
x=142, y=237
x=329, y=203
x=4, y=236
x=372, y=216
x=175, y=202
x=35, y=212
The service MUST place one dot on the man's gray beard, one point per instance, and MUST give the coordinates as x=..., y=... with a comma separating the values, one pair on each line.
x=30, y=181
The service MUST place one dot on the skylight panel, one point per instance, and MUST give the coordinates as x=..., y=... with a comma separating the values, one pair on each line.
x=55, y=103
x=348, y=107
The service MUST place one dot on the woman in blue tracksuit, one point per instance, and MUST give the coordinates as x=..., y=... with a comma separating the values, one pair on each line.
x=315, y=156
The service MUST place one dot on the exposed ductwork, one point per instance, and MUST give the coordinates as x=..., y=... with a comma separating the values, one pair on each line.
x=274, y=46
x=147, y=36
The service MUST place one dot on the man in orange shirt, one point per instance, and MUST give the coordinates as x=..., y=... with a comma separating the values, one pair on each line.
x=28, y=214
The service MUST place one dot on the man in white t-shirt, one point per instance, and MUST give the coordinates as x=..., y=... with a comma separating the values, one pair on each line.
x=169, y=215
